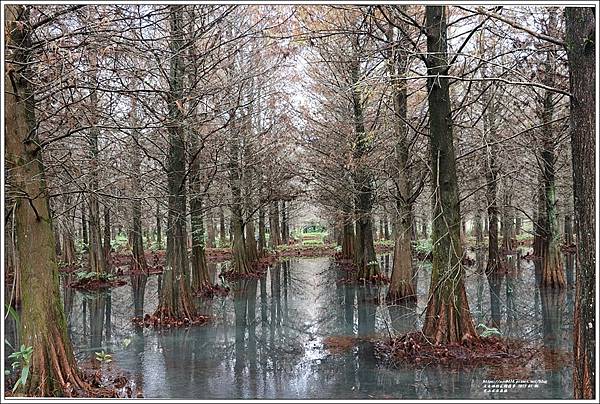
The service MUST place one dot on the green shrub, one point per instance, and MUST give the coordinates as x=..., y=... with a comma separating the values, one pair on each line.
x=423, y=246
x=120, y=242
x=21, y=359
x=83, y=275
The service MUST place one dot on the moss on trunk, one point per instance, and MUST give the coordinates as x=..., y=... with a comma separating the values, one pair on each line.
x=53, y=371
x=448, y=318
x=175, y=296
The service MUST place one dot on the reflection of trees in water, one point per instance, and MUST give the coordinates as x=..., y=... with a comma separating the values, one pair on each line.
x=367, y=300
x=404, y=320
x=349, y=295
x=569, y=268
x=138, y=342
x=97, y=308
x=68, y=299
x=244, y=300
x=511, y=313
x=553, y=302
x=177, y=348
x=495, y=282
x=403, y=317
x=108, y=317
x=440, y=383
x=11, y=334
x=479, y=303
x=138, y=291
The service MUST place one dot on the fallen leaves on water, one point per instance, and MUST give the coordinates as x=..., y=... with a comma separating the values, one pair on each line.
x=168, y=322
x=340, y=343
x=413, y=348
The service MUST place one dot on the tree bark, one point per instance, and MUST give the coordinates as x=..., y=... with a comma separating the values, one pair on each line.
x=175, y=297
x=518, y=223
x=241, y=264
x=348, y=240
x=200, y=275
x=580, y=34
x=210, y=230
x=84, y=227
x=222, y=231
x=568, y=230
x=107, y=248
x=53, y=371
x=158, y=227
x=274, y=229
x=68, y=241
x=386, y=228
x=262, y=238
x=553, y=274
x=96, y=259
x=138, y=263
x=285, y=231
x=364, y=249
x=448, y=318
x=401, y=282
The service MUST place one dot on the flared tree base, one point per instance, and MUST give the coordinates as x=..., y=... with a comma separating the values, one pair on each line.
x=553, y=274
x=448, y=320
x=404, y=294
x=53, y=372
x=367, y=272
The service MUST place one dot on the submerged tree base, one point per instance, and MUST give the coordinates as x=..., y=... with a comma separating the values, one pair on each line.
x=95, y=284
x=404, y=295
x=97, y=381
x=414, y=349
x=210, y=291
x=157, y=321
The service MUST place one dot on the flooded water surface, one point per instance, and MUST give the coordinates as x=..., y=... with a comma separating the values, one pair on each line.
x=303, y=332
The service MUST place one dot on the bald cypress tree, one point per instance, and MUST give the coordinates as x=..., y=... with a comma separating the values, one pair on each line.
x=448, y=318
x=52, y=370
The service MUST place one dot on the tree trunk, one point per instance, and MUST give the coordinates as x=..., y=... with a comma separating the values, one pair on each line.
x=401, y=282
x=222, y=232
x=518, y=223
x=553, y=274
x=200, y=275
x=251, y=245
x=84, y=227
x=262, y=238
x=508, y=225
x=448, y=318
x=478, y=230
x=274, y=230
x=175, y=297
x=491, y=176
x=364, y=257
x=138, y=263
x=106, y=245
x=96, y=254
x=348, y=240
x=53, y=371
x=158, y=227
x=68, y=241
x=386, y=228
x=285, y=231
x=210, y=230
x=241, y=265
x=568, y=230
x=580, y=34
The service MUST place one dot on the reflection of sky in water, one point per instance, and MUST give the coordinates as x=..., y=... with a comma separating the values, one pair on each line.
x=278, y=352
